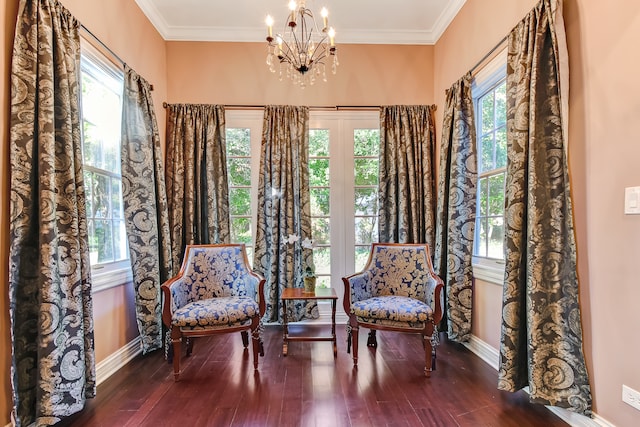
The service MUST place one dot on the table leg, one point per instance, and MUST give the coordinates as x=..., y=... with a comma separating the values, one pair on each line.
x=333, y=327
x=285, y=328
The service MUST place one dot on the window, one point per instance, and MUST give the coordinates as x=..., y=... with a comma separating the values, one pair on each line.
x=319, y=189
x=366, y=148
x=343, y=169
x=239, y=177
x=489, y=93
x=243, y=134
x=101, y=105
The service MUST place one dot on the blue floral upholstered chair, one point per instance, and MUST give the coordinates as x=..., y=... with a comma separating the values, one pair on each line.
x=214, y=292
x=396, y=291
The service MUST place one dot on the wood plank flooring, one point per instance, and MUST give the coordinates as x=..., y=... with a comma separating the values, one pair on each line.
x=218, y=387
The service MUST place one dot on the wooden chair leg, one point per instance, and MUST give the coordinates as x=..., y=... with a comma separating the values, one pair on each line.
x=354, y=342
x=245, y=338
x=176, y=341
x=426, y=339
x=256, y=343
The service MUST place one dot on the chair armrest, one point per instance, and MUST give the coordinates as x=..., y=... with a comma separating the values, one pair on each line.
x=434, y=296
x=173, y=298
x=254, y=286
x=356, y=288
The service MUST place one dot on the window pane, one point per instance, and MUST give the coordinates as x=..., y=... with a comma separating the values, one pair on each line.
x=501, y=104
x=366, y=201
x=116, y=198
x=241, y=230
x=366, y=142
x=496, y=237
x=120, y=241
x=318, y=172
x=480, y=245
x=320, y=230
x=318, y=142
x=88, y=192
x=319, y=201
x=486, y=150
x=239, y=171
x=239, y=201
x=101, y=196
x=483, y=199
x=322, y=260
x=238, y=142
x=496, y=195
x=366, y=230
x=362, y=255
x=501, y=147
x=487, y=113
x=103, y=237
x=366, y=171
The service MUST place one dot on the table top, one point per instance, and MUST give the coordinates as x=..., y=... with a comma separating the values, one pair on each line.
x=299, y=293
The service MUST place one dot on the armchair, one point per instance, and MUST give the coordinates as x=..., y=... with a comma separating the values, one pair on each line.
x=215, y=292
x=396, y=291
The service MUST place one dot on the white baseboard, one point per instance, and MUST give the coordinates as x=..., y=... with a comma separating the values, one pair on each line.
x=491, y=355
x=484, y=351
x=117, y=360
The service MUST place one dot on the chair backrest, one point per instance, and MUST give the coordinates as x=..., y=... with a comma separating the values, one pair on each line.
x=210, y=271
x=400, y=269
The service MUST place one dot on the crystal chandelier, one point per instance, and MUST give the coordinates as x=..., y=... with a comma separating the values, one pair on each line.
x=302, y=48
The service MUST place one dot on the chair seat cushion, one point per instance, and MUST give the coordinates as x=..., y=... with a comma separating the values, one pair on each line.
x=215, y=312
x=392, y=309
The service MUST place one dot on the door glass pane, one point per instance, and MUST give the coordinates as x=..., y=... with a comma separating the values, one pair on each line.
x=239, y=171
x=366, y=230
x=319, y=201
x=366, y=201
x=366, y=171
x=239, y=201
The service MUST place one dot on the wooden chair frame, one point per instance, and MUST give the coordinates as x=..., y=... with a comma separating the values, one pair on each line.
x=177, y=334
x=427, y=332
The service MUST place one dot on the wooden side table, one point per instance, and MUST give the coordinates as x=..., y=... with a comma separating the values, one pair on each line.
x=290, y=294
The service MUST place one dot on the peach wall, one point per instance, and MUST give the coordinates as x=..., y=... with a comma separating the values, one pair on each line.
x=236, y=73
x=603, y=152
x=487, y=306
x=122, y=26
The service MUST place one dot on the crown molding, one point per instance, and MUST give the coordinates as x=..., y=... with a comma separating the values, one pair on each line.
x=154, y=15
x=447, y=16
x=227, y=34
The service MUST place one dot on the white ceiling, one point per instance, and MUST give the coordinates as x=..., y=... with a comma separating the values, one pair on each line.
x=355, y=21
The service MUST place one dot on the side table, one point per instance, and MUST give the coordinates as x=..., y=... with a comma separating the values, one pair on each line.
x=290, y=294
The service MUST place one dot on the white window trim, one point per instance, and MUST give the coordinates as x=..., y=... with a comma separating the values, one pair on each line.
x=107, y=276
x=489, y=269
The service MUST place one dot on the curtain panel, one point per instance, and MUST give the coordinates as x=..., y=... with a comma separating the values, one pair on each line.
x=196, y=177
x=455, y=224
x=406, y=185
x=53, y=362
x=284, y=209
x=145, y=206
x=541, y=341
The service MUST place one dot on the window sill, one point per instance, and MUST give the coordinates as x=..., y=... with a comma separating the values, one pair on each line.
x=110, y=279
x=494, y=275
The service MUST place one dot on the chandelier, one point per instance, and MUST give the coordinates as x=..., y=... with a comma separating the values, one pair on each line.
x=302, y=48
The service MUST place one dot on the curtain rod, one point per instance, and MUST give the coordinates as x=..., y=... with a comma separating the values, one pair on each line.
x=484, y=58
x=101, y=43
x=314, y=107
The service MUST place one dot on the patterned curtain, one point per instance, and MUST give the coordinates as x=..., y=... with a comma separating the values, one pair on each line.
x=284, y=209
x=145, y=206
x=197, y=185
x=53, y=362
x=457, y=209
x=541, y=343
x=406, y=189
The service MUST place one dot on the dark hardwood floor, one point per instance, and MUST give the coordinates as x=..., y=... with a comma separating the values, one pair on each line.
x=218, y=387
